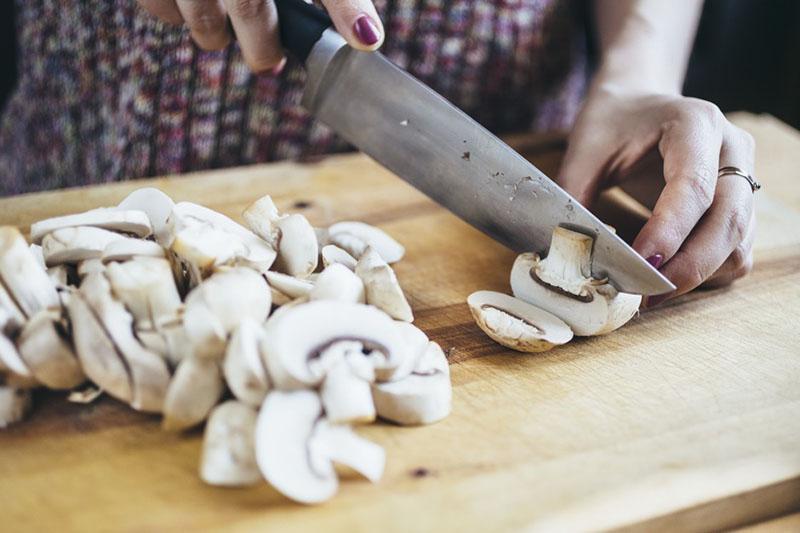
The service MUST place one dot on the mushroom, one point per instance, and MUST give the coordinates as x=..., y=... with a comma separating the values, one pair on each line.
x=156, y=205
x=13, y=317
x=562, y=284
x=516, y=324
x=59, y=275
x=381, y=286
x=291, y=235
x=229, y=456
x=129, y=248
x=355, y=237
x=296, y=447
x=43, y=347
x=194, y=390
x=22, y=275
x=337, y=282
x=345, y=391
x=90, y=266
x=243, y=367
x=296, y=337
x=14, y=404
x=169, y=341
x=288, y=285
x=149, y=375
x=216, y=307
x=17, y=372
x=130, y=221
x=146, y=286
x=332, y=254
x=76, y=244
x=423, y=397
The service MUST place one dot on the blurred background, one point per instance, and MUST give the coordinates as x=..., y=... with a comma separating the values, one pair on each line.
x=746, y=56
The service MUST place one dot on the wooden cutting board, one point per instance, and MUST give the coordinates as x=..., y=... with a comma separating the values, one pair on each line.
x=687, y=418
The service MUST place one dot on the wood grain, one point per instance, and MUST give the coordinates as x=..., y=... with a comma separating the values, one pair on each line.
x=688, y=418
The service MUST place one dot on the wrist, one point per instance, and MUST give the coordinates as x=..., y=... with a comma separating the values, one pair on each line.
x=626, y=73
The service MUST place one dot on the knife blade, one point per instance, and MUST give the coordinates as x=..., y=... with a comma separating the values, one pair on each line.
x=417, y=134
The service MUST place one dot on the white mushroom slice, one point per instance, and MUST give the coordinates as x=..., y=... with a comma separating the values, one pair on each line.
x=90, y=266
x=23, y=276
x=149, y=374
x=288, y=285
x=18, y=373
x=73, y=245
x=337, y=282
x=217, y=306
x=14, y=405
x=146, y=286
x=278, y=298
x=297, y=336
x=332, y=254
x=243, y=367
x=259, y=217
x=156, y=205
x=194, y=390
x=417, y=342
x=346, y=396
x=111, y=218
x=46, y=352
x=297, y=246
x=295, y=448
x=516, y=324
x=169, y=341
x=86, y=395
x=389, y=249
x=125, y=249
x=59, y=275
x=562, y=284
x=14, y=318
x=424, y=397
x=97, y=354
x=229, y=456
x=381, y=286
x=323, y=237
x=38, y=254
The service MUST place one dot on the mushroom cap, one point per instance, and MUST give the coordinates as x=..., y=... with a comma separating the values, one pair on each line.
x=343, y=233
x=155, y=204
x=229, y=456
x=243, y=367
x=296, y=336
x=332, y=254
x=195, y=389
x=288, y=285
x=381, y=286
x=14, y=404
x=337, y=282
x=46, y=352
x=23, y=276
x=516, y=324
x=76, y=244
x=132, y=221
x=298, y=252
x=129, y=248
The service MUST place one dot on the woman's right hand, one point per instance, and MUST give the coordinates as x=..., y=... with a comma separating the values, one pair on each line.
x=255, y=23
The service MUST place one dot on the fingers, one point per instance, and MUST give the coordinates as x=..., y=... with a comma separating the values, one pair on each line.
x=165, y=10
x=690, y=145
x=357, y=21
x=207, y=22
x=255, y=23
x=582, y=168
x=738, y=264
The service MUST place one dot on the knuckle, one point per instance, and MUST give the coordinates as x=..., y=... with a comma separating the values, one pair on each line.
x=693, y=276
x=205, y=23
x=736, y=227
x=707, y=114
x=701, y=187
x=741, y=260
x=247, y=8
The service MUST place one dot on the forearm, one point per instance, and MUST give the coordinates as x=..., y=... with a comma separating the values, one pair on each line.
x=645, y=44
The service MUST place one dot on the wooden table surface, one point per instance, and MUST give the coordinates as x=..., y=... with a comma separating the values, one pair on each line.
x=688, y=418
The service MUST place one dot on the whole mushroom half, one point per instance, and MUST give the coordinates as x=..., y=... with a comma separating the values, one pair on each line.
x=562, y=284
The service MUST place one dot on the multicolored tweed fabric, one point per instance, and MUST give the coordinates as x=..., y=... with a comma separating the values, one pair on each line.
x=107, y=93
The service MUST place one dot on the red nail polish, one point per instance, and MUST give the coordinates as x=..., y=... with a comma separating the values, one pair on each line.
x=366, y=30
x=655, y=260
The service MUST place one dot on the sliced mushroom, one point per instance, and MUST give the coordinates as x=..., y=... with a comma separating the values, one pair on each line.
x=381, y=286
x=18, y=373
x=278, y=298
x=288, y=285
x=110, y=218
x=346, y=396
x=125, y=249
x=423, y=397
x=259, y=217
x=149, y=375
x=146, y=286
x=22, y=275
x=337, y=282
x=59, y=275
x=14, y=404
x=13, y=318
x=562, y=284
x=169, y=341
x=243, y=368
x=296, y=448
x=517, y=324
x=217, y=306
x=156, y=205
x=46, y=352
x=355, y=237
x=90, y=266
x=332, y=254
x=229, y=456
x=297, y=336
x=194, y=390
x=38, y=254
x=76, y=244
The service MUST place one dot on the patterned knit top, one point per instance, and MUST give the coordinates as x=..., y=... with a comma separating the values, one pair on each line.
x=107, y=93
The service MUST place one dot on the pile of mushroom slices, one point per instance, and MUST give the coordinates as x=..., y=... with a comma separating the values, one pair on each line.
x=554, y=298
x=281, y=335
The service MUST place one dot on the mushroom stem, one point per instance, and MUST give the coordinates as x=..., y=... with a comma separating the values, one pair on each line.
x=569, y=261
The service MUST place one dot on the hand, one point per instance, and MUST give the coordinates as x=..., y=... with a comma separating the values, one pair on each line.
x=701, y=229
x=255, y=23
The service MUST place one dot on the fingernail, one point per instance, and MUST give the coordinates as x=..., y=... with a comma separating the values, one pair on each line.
x=653, y=301
x=655, y=260
x=278, y=68
x=366, y=30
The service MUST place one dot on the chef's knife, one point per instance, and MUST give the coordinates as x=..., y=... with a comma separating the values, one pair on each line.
x=417, y=134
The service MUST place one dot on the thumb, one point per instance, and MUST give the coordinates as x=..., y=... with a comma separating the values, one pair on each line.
x=356, y=21
x=582, y=170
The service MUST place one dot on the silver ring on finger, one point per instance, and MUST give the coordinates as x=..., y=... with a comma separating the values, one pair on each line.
x=736, y=171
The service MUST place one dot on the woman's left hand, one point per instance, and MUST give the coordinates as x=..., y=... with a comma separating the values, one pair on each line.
x=701, y=230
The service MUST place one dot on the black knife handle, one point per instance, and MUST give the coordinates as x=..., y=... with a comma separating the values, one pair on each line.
x=301, y=26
